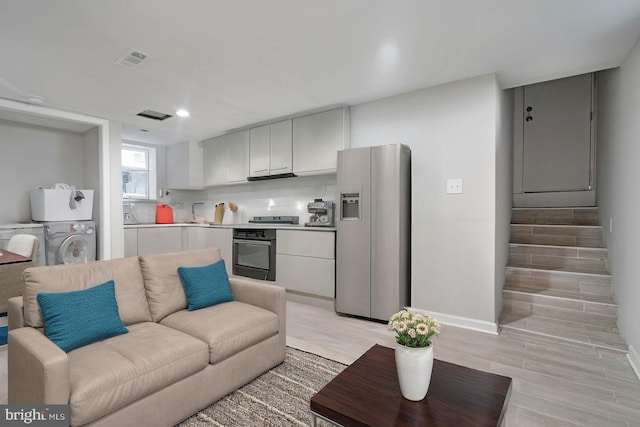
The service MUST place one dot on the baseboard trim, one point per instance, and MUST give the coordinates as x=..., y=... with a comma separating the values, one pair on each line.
x=461, y=322
x=634, y=359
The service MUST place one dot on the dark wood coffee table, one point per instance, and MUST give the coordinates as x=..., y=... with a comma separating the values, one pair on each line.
x=367, y=393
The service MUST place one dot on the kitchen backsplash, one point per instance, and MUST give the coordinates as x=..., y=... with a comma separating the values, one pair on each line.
x=277, y=197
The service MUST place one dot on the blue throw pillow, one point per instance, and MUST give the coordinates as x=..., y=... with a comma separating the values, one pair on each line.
x=206, y=286
x=77, y=318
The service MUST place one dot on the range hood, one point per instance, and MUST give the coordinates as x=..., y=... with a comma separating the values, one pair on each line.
x=276, y=176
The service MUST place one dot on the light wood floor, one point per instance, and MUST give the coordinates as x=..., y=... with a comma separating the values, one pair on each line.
x=554, y=384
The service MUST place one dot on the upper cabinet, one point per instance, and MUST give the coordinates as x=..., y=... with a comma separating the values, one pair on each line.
x=185, y=166
x=271, y=149
x=226, y=159
x=306, y=145
x=317, y=138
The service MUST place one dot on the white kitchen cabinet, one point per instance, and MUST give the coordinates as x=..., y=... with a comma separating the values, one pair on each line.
x=222, y=238
x=305, y=262
x=237, y=156
x=281, y=147
x=214, y=168
x=130, y=242
x=271, y=150
x=259, y=151
x=317, y=138
x=185, y=166
x=226, y=159
x=159, y=240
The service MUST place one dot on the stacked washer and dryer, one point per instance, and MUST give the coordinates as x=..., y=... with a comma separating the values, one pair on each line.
x=69, y=232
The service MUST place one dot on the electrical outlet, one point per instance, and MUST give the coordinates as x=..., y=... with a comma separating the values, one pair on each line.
x=454, y=186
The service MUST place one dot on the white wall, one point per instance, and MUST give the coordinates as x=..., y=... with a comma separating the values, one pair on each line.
x=618, y=196
x=34, y=157
x=451, y=130
x=504, y=190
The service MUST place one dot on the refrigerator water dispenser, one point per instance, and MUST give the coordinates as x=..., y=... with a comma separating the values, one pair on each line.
x=350, y=206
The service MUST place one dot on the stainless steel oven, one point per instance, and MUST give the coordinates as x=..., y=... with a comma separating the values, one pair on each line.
x=254, y=253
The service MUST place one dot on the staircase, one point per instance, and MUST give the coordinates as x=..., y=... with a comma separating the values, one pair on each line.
x=557, y=283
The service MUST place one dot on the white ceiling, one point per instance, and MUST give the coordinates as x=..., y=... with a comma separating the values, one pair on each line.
x=237, y=62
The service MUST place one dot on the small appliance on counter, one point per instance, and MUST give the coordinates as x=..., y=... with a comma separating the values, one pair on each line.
x=164, y=214
x=321, y=213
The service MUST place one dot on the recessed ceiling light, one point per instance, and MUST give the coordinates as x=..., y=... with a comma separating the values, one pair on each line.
x=182, y=113
x=34, y=99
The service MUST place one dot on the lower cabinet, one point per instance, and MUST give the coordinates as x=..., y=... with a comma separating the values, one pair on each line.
x=201, y=238
x=305, y=262
x=159, y=240
x=130, y=242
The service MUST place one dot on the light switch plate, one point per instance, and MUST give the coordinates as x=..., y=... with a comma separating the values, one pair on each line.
x=454, y=186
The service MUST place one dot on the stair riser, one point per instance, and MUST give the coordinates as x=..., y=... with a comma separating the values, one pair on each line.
x=585, y=265
x=555, y=216
x=598, y=315
x=591, y=285
x=557, y=236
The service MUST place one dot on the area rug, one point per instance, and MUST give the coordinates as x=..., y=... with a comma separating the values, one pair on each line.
x=4, y=330
x=279, y=397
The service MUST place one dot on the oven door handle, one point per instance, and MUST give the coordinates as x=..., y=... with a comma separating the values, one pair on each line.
x=253, y=242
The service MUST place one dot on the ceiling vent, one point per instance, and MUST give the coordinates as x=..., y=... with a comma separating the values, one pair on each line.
x=132, y=57
x=155, y=115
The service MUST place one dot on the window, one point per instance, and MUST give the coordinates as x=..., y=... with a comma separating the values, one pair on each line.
x=138, y=172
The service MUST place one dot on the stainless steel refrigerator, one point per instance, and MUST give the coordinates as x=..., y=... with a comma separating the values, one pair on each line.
x=373, y=241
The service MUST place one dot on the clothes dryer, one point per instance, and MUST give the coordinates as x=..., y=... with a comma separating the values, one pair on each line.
x=70, y=242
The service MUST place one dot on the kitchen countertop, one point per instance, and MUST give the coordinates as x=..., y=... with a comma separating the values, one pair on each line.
x=299, y=227
x=21, y=225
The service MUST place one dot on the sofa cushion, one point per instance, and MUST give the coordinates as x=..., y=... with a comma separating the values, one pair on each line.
x=227, y=328
x=125, y=272
x=205, y=286
x=165, y=293
x=77, y=318
x=110, y=374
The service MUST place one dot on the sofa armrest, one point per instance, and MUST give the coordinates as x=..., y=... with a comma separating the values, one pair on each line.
x=16, y=313
x=38, y=370
x=269, y=297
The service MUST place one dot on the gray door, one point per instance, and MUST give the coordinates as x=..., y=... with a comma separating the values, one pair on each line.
x=353, y=245
x=557, y=135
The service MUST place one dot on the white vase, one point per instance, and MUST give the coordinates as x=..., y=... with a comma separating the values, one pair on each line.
x=414, y=367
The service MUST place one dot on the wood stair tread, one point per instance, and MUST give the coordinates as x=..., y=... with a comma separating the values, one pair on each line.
x=574, y=332
x=555, y=293
x=579, y=270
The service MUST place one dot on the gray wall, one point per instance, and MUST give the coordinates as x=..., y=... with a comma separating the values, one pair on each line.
x=34, y=157
x=504, y=189
x=452, y=132
x=618, y=177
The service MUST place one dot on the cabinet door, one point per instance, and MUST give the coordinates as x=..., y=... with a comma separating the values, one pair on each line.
x=237, y=158
x=315, y=276
x=185, y=166
x=130, y=242
x=315, y=244
x=259, y=151
x=195, y=238
x=221, y=238
x=281, y=149
x=215, y=171
x=159, y=240
x=317, y=138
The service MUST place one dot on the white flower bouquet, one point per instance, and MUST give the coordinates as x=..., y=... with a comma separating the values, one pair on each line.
x=413, y=329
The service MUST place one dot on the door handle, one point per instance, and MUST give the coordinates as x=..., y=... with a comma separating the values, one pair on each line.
x=529, y=118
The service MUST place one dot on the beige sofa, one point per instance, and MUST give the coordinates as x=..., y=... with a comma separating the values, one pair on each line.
x=170, y=364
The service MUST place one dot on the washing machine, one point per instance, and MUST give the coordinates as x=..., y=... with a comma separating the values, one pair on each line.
x=69, y=242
